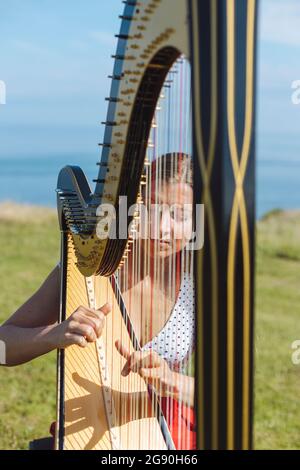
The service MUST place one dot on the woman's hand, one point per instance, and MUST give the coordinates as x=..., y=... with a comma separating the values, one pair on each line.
x=84, y=326
x=152, y=368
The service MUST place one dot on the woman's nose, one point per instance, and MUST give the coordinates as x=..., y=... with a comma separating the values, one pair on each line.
x=165, y=223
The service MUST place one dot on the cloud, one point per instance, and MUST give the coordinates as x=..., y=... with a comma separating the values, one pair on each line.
x=279, y=22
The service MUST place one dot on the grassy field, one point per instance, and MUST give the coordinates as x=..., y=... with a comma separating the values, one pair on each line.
x=277, y=405
x=29, y=241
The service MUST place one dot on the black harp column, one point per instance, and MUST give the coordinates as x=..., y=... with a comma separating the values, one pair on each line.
x=223, y=38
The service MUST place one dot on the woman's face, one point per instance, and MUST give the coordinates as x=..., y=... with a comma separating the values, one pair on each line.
x=171, y=219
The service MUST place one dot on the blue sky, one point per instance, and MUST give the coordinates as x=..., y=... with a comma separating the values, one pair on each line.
x=278, y=65
x=55, y=58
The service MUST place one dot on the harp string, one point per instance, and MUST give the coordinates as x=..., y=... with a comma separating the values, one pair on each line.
x=149, y=283
x=178, y=258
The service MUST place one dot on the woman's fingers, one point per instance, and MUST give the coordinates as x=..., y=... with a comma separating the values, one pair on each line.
x=106, y=308
x=85, y=325
x=84, y=330
x=151, y=367
x=73, y=338
x=94, y=313
x=141, y=359
x=138, y=360
x=131, y=362
x=150, y=374
x=122, y=349
x=146, y=359
x=91, y=317
x=96, y=323
x=151, y=377
x=164, y=383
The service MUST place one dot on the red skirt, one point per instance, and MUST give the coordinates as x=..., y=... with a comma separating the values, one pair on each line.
x=181, y=421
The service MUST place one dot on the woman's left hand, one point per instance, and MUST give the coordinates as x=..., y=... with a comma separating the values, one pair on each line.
x=152, y=368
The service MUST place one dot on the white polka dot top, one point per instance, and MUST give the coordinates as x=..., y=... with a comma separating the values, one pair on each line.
x=175, y=342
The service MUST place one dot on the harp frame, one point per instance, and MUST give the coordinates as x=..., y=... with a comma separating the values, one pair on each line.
x=152, y=36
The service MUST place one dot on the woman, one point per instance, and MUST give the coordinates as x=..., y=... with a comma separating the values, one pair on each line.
x=33, y=329
x=159, y=278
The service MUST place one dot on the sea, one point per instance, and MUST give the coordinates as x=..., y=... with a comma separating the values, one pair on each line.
x=32, y=180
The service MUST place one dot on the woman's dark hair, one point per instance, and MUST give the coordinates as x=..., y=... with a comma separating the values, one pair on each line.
x=173, y=167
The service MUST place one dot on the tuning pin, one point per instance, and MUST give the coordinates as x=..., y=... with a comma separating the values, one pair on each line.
x=126, y=18
x=105, y=145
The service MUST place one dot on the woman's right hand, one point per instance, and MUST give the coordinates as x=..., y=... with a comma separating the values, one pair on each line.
x=84, y=326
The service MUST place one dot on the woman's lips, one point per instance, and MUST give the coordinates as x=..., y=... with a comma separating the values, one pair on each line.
x=163, y=243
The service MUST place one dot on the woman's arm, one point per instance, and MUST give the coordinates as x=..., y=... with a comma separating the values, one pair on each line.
x=42, y=308
x=33, y=330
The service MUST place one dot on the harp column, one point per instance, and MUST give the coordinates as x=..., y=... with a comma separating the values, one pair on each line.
x=223, y=72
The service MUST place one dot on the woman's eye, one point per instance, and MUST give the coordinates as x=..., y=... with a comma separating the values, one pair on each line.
x=177, y=214
x=180, y=215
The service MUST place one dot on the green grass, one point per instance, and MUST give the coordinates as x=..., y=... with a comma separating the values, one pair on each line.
x=277, y=403
x=29, y=250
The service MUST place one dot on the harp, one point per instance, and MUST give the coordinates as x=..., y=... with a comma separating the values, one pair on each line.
x=164, y=129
